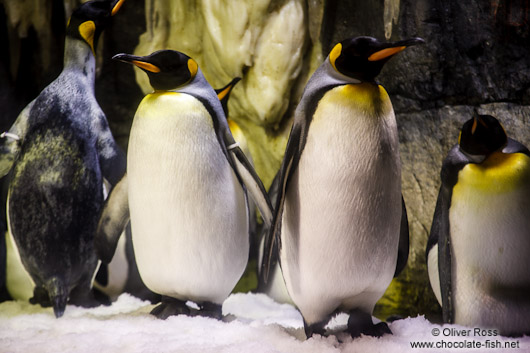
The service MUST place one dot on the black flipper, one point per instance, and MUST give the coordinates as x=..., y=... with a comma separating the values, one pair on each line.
x=112, y=160
x=250, y=179
x=403, y=249
x=440, y=235
x=11, y=141
x=289, y=164
x=317, y=86
x=440, y=229
x=113, y=220
x=246, y=174
x=262, y=284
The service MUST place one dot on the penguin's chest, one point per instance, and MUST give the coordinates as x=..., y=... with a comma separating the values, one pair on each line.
x=188, y=211
x=490, y=223
x=342, y=207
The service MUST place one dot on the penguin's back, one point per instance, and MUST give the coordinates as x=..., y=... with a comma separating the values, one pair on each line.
x=343, y=204
x=188, y=210
x=490, y=232
x=55, y=195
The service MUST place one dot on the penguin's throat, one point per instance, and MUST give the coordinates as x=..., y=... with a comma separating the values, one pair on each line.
x=499, y=172
x=78, y=56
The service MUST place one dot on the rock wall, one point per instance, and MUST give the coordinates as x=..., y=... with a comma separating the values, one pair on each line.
x=475, y=56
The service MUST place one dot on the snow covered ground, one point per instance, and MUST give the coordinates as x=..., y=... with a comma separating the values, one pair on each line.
x=255, y=324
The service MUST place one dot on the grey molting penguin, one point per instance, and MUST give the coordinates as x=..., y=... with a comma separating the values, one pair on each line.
x=339, y=207
x=186, y=191
x=478, y=253
x=58, y=152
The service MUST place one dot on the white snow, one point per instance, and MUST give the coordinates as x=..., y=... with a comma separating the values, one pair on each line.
x=255, y=324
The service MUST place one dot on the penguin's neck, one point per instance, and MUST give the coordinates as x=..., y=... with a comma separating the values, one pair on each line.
x=79, y=59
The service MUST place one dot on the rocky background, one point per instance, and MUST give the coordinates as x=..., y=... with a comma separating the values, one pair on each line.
x=475, y=57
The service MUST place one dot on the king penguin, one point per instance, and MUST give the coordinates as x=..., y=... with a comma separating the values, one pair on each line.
x=121, y=273
x=186, y=191
x=59, y=150
x=339, y=210
x=478, y=253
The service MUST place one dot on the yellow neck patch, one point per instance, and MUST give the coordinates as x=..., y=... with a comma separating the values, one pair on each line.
x=87, y=30
x=499, y=173
x=370, y=98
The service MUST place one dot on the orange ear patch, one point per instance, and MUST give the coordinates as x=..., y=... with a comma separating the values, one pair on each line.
x=334, y=54
x=193, y=67
x=87, y=30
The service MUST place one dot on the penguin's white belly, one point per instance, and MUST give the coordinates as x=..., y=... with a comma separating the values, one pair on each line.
x=340, y=226
x=434, y=274
x=19, y=283
x=188, y=211
x=490, y=234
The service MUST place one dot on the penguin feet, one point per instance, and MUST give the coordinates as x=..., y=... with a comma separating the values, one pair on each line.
x=212, y=310
x=101, y=297
x=361, y=322
x=85, y=297
x=169, y=307
x=41, y=297
x=319, y=328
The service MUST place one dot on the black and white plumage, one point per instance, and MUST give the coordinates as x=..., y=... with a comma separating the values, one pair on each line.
x=59, y=150
x=187, y=182
x=339, y=215
x=479, y=245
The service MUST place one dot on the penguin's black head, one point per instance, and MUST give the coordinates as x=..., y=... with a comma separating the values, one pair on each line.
x=482, y=135
x=167, y=69
x=90, y=19
x=363, y=58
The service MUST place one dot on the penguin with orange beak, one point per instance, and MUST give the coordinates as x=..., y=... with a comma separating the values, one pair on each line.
x=340, y=222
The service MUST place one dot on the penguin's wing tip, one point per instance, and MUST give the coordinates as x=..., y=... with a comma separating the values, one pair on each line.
x=251, y=181
x=113, y=220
